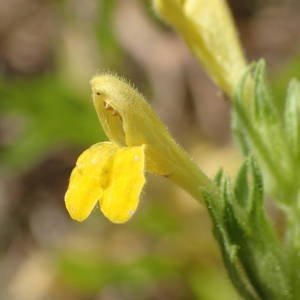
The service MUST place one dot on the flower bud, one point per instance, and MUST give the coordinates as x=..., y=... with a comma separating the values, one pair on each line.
x=207, y=27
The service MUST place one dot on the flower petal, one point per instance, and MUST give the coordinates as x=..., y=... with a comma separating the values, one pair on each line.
x=121, y=196
x=88, y=180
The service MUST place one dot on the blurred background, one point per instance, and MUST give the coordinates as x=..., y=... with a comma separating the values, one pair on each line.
x=48, y=52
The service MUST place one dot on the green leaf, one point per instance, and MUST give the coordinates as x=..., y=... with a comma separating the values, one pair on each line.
x=292, y=117
x=229, y=250
x=264, y=109
x=219, y=177
x=252, y=254
x=241, y=185
x=256, y=190
x=261, y=129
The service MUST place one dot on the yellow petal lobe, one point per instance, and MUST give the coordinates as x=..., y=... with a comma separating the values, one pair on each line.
x=121, y=196
x=88, y=180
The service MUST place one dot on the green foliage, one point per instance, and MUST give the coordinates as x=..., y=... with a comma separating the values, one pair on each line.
x=271, y=134
x=250, y=249
x=292, y=118
x=52, y=116
x=259, y=265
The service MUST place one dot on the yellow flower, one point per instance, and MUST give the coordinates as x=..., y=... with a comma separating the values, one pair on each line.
x=208, y=30
x=113, y=172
